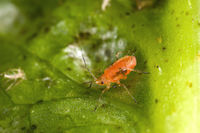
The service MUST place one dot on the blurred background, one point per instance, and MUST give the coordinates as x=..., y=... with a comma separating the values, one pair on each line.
x=43, y=78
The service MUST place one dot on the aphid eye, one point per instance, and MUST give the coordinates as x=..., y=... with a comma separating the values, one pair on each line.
x=102, y=82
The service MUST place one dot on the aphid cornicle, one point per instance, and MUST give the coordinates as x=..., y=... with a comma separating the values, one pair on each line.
x=117, y=71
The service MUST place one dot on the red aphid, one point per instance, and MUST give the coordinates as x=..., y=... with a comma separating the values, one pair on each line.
x=117, y=71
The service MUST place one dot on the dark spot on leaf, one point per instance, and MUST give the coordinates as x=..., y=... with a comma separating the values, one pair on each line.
x=163, y=48
x=189, y=84
x=68, y=69
x=178, y=25
x=84, y=35
x=33, y=127
x=127, y=13
x=166, y=60
x=118, y=127
x=176, y=18
x=23, y=57
x=145, y=62
x=186, y=13
x=46, y=29
x=142, y=25
x=133, y=26
x=156, y=101
x=23, y=128
x=97, y=43
x=40, y=101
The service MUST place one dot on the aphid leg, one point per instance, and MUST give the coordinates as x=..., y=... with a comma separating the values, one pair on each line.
x=11, y=85
x=106, y=89
x=127, y=91
x=15, y=83
x=18, y=82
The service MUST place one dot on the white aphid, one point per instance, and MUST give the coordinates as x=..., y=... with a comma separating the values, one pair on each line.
x=105, y=4
x=17, y=75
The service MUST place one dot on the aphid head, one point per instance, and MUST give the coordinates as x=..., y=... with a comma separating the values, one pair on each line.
x=101, y=81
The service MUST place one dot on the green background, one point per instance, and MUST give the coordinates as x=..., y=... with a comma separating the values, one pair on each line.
x=46, y=38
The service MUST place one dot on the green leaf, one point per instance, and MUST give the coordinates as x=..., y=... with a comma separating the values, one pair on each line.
x=45, y=52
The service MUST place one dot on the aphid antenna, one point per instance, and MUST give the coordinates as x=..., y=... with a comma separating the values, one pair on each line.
x=88, y=68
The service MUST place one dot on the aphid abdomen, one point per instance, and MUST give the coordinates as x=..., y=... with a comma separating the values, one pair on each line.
x=120, y=69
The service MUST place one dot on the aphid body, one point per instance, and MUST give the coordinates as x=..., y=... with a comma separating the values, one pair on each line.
x=17, y=75
x=117, y=71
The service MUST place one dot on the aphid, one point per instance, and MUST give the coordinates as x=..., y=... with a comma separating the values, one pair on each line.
x=105, y=4
x=17, y=75
x=117, y=71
